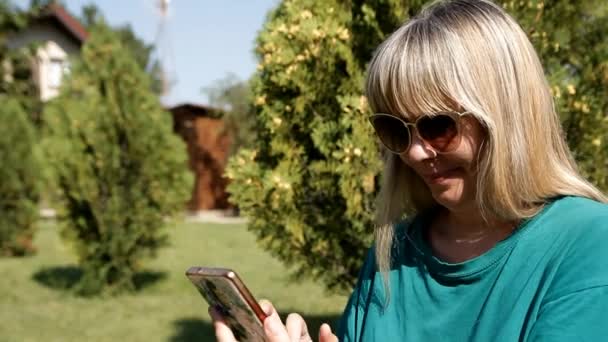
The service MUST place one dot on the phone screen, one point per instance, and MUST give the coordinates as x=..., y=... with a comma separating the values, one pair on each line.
x=222, y=292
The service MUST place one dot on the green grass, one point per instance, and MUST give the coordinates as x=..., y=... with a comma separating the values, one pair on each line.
x=35, y=304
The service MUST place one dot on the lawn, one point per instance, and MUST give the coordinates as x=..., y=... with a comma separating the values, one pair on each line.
x=35, y=304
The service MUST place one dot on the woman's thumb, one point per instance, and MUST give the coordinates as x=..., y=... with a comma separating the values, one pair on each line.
x=325, y=334
x=273, y=327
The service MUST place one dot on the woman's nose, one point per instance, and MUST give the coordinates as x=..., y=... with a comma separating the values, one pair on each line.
x=418, y=151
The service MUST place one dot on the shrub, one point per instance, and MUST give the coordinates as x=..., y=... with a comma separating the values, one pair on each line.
x=19, y=188
x=120, y=169
x=19, y=161
x=308, y=186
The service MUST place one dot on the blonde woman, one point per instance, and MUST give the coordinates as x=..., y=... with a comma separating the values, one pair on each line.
x=504, y=240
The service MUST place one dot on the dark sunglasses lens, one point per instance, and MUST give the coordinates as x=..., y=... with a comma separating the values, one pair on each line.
x=392, y=132
x=439, y=131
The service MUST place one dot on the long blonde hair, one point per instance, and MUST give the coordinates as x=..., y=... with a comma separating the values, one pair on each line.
x=473, y=54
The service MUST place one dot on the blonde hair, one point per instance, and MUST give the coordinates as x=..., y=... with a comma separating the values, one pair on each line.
x=471, y=54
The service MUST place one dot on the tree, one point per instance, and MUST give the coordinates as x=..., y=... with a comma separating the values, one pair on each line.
x=141, y=51
x=571, y=40
x=19, y=159
x=233, y=98
x=119, y=167
x=309, y=182
x=308, y=185
x=41, y=3
x=19, y=189
x=16, y=80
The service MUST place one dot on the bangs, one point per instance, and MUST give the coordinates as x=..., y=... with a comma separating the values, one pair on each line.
x=410, y=73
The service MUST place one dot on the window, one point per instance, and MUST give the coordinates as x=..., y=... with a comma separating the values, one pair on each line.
x=57, y=68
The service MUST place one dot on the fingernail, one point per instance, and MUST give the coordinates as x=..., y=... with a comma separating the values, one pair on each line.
x=323, y=329
x=267, y=309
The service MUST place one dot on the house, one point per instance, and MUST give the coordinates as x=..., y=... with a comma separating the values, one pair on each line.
x=208, y=144
x=60, y=37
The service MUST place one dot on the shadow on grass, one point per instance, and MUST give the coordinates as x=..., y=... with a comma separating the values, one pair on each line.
x=148, y=278
x=195, y=329
x=65, y=277
x=192, y=329
x=59, y=277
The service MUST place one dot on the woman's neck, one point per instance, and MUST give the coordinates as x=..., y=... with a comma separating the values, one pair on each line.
x=457, y=236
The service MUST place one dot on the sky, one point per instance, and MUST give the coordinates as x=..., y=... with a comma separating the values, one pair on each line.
x=203, y=40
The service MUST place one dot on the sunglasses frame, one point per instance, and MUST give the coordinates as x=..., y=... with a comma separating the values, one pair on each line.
x=456, y=116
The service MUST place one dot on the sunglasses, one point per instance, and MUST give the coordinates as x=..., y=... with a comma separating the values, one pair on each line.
x=439, y=131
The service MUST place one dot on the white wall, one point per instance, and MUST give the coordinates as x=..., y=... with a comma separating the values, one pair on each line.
x=56, y=48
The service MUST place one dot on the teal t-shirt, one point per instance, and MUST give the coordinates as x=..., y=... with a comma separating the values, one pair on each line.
x=548, y=281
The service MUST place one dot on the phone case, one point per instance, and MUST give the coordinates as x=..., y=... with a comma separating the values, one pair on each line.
x=223, y=289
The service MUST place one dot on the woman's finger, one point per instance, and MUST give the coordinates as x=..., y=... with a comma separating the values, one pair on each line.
x=296, y=328
x=325, y=334
x=273, y=327
x=222, y=331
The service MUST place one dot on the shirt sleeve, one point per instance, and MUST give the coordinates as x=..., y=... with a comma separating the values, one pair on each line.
x=576, y=307
x=577, y=316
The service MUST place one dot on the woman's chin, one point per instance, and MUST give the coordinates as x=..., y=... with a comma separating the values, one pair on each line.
x=450, y=197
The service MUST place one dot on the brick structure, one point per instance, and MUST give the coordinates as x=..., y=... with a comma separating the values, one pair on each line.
x=208, y=145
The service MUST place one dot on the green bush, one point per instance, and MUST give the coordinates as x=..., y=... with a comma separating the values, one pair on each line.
x=570, y=37
x=19, y=162
x=19, y=188
x=119, y=167
x=309, y=184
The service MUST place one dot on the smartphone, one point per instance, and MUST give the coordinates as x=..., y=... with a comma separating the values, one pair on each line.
x=223, y=289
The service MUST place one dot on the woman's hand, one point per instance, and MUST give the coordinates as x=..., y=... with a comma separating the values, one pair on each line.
x=294, y=329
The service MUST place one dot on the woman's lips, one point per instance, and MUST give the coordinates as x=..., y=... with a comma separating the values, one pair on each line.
x=441, y=177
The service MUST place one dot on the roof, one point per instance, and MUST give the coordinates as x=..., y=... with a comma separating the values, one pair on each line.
x=195, y=109
x=69, y=23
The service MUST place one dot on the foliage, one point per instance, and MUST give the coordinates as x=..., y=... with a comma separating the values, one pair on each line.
x=19, y=159
x=141, y=51
x=118, y=165
x=40, y=4
x=233, y=97
x=571, y=40
x=19, y=189
x=16, y=65
x=308, y=184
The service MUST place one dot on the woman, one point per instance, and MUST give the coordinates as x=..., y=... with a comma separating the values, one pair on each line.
x=506, y=241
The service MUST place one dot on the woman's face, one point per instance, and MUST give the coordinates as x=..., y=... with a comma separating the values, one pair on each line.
x=451, y=177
